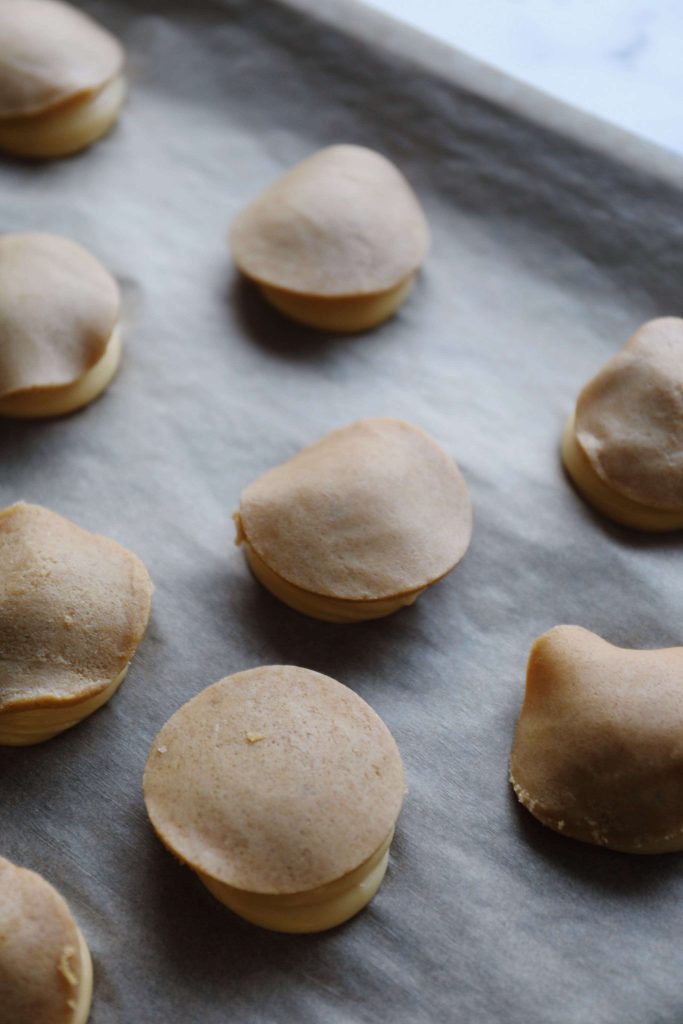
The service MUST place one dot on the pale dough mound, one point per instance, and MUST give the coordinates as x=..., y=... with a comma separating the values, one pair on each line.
x=598, y=750
x=373, y=510
x=629, y=418
x=342, y=223
x=58, y=309
x=74, y=607
x=274, y=780
x=51, y=53
x=45, y=967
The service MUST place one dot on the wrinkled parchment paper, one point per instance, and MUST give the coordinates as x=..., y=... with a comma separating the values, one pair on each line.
x=554, y=238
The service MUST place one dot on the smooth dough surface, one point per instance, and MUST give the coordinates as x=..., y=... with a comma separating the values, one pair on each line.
x=276, y=780
x=58, y=309
x=372, y=511
x=44, y=402
x=316, y=911
x=45, y=966
x=345, y=315
x=629, y=418
x=327, y=609
x=598, y=749
x=67, y=129
x=31, y=725
x=51, y=52
x=343, y=222
x=611, y=503
x=74, y=607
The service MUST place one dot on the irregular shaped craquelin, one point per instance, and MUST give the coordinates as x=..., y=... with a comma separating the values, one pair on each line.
x=45, y=965
x=74, y=607
x=623, y=447
x=61, y=78
x=280, y=788
x=60, y=337
x=598, y=751
x=336, y=242
x=359, y=524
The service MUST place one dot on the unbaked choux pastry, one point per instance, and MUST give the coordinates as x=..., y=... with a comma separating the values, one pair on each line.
x=61, y=78
x=359, y=524
x=46, y=974
x=60, y=331
x=598, y=750
x=336, y=242
x=623, y=446
x=74, y=607
x=280, y=788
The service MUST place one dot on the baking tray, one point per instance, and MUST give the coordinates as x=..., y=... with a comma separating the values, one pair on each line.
x=554, y=237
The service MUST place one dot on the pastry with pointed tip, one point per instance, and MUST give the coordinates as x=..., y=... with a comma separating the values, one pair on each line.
x=359, y=524
x=74, y=607
x=61, y=78
x=60, y=336
x=336, y=242
x=280, y=788
x=45, y=965
x=598, y=750
x=623, y=446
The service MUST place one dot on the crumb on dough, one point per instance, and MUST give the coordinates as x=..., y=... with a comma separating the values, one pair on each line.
x=254, y=737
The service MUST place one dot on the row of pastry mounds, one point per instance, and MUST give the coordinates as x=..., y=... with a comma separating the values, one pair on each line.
x=60, y=337
x=227, y=785
x=597, y=753
x=60, y=346
x=228, y=778
x=342, y=235
x=353, y=527
x=335, y=243
x=282, y=854
x=583, y=762
x=228, y=790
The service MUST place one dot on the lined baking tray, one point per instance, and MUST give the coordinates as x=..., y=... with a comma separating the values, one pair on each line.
x=554, y=238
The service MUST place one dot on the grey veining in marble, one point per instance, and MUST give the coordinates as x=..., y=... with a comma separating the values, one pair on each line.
x=619, y=59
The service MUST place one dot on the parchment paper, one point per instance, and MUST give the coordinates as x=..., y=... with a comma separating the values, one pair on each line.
x=554, y=238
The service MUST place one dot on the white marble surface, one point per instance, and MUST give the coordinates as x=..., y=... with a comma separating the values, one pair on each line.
x=620, y=59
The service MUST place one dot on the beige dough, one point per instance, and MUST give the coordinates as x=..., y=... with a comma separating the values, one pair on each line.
x=598, y=750
x=74, y=607
x=67, y=129
x=60, y=339
x=45, y=965
x=336, y=242
x=38, y=403
x=343, y=316
x=280, y=788
x=61, y=81
x=318, y=606
x=623, y=447
x=358, y=524
x=314, y=911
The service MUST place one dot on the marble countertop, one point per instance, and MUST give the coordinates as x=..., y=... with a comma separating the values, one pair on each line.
x=619, y=59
